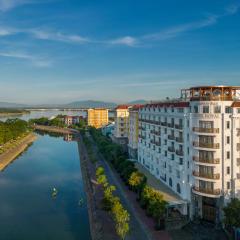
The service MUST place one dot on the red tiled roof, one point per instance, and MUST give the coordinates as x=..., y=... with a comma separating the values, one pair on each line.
x=236, y=104
x=123, y=106
x=168, y=104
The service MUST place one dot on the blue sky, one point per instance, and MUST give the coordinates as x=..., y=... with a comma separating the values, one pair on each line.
x=58, y=51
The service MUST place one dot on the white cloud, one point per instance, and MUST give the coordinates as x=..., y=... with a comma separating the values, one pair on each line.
x=128, y=41
x=35, y=61
x=58, y=36
x=6, y=5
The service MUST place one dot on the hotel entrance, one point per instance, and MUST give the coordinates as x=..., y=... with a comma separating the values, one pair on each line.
x=209, y=209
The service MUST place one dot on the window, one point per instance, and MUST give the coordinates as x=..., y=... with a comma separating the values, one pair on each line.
x=195, y=109
x=217, y=109
x=228, y=124
x=228, y=155
x=228, y=185
x=238, y=110
x=228, y=140
x=170, y=182
x=228, y=110
x=205, y=109
x=178, y=188
x=228, y=170
x=172, y=156
x=165, y=153
x=178, y=173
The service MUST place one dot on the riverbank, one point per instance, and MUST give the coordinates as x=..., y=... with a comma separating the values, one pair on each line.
x=13, y=114
x=55, y=129
x=10, y=155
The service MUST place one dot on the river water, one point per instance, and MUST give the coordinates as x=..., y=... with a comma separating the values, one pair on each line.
x=27, y=209
x=46, y=113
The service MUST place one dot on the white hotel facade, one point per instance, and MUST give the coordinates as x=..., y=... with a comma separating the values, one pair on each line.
x=193, y=146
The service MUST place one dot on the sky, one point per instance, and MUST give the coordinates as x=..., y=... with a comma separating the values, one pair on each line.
x=59, y=51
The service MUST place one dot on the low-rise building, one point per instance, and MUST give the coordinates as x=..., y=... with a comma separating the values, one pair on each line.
x=121, y=131
x=108, y=129
x=70, y=120
x=97, y=117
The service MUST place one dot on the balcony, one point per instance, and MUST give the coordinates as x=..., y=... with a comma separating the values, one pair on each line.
x=206, y=130
x=141, y=136
x=238, y=162
x=206, y=145
x=164, y=124
x=179, y=126
x=207, y=175
x=179, y=139
x=171, y=149
x=158, y=143
x=206, y=160
x=171, y=137
x=157, y=133
x=179, y=152
x=170, y=125
x=207, y=190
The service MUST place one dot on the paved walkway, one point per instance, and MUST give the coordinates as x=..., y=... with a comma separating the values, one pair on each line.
x=138, y=229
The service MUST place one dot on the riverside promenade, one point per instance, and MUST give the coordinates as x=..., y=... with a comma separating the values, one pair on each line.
x=56, y=129
x=19, y=146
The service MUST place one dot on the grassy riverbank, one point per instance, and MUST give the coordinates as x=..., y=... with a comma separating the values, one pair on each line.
x=4, y=112
x=14, y=148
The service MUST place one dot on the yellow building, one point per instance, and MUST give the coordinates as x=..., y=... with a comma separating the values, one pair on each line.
x=97, y=117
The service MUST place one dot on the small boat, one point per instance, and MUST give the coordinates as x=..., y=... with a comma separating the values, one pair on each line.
x=54, y=192
x=81, y=202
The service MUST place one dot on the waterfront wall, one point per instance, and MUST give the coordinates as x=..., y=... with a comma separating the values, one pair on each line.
x=94, y=220
x=7, y=157
x=55, y=129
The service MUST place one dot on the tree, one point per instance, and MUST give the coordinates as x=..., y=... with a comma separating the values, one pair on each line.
x=232, y=213
x=137, y=182
x=122, y=218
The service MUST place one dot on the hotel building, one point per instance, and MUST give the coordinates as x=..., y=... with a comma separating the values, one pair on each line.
x=97, y=117
x=192, y=145
x=133, y=131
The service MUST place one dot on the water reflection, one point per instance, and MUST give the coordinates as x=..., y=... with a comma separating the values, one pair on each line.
x=27, y=210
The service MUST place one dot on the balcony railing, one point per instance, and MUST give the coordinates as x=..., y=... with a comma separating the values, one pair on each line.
x=158, y=143
x=179, y=139
x=164, y=124
x=179, y=152
x=171, y=125
x=206, y=160
x=171, y=137
x=171, y=149
x=206, y=130
x=179, y=126
x=207, y=175
x=206, y=145
x=157, y=133
x=207, y=190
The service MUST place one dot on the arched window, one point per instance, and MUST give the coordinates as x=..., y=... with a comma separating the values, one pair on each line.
x=170, y=182
x=178, y=188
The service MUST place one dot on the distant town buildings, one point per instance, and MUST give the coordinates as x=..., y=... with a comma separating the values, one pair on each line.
x=97, y=117
x=70, y=120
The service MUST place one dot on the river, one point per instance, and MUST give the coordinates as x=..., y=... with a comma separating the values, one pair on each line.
x=46, y=113
x=27, y=209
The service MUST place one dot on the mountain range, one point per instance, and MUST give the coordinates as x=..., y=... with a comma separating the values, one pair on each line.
x=76, y=104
